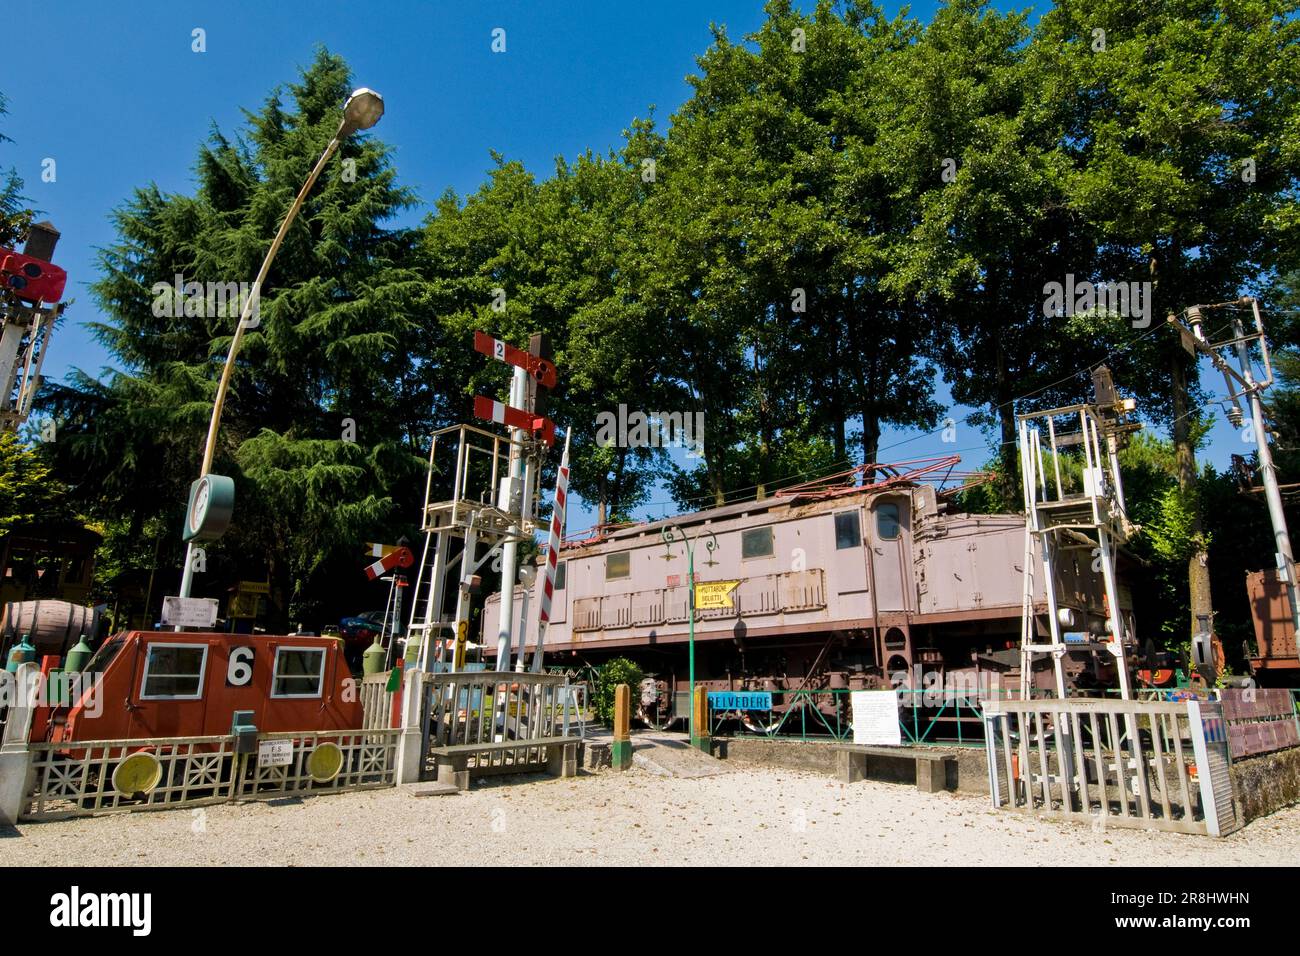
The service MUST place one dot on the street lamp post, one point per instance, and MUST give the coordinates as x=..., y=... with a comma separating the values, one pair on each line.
x=670, y=535
x=361, y=111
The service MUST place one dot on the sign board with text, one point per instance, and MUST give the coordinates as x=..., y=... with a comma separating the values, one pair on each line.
x=275, y=753
x=713, y=595
x=875, y=718
x=740, y=700
x=189, y=612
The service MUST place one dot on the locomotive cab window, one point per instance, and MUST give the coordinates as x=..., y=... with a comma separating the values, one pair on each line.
x=888, y=527
x=299, y=672
x=848, y=533
x=174, y=672
x=756, y=543
x=618, y=565
x=104, y=656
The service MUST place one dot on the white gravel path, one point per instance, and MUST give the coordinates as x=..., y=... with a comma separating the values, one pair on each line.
x=769, y=816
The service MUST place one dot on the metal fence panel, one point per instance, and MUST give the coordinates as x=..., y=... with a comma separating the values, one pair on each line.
x=1138, y=763
x=70, y=780
x=493, y=707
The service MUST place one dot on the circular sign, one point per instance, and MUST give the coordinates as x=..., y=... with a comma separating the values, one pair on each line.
x=137, y=775
x=325, y=762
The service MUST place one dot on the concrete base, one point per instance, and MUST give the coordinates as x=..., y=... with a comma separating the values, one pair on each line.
x=820, y=757
x=410, y=757
x=15, y=773
x=452, y=773
x=1265, y=783
x=430, y=790
x=620, y=754
x=563, y=761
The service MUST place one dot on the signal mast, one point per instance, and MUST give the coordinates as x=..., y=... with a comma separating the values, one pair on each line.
x=1060, y=516
x=1241, y=382
x=493, y=502
x=30, y=289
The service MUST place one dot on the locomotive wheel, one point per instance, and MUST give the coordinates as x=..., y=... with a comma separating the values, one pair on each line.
x=756, y=726
x=655, y=717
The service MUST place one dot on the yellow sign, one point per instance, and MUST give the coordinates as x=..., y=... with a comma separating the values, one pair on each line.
x=242, y=605
x=254, y=587
x=712, y=595
x=458, y=658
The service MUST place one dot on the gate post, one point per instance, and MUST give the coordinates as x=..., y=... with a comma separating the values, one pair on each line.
x=15, y=757
x=992, y=729
x=621, y=750
x=700, y=708
x=410, y=746
x=1210, y=745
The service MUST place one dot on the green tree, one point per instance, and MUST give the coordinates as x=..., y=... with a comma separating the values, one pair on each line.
x=320, y=428
x=1183, y=161
x=15, y=216
x=28, y=490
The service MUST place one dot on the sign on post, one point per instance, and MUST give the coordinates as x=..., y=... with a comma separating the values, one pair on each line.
x=275, y=753
x=740, y=700
x=713, y=595
x=189, y=612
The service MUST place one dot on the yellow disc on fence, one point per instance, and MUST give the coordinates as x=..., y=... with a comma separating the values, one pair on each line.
x=137, y=774
x=325, y=762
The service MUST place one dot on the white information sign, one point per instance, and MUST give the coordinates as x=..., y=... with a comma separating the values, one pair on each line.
x=875, y=718
x=275, y=753
x=189, y=612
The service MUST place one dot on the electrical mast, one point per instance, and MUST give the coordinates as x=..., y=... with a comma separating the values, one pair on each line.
x=1241, y=383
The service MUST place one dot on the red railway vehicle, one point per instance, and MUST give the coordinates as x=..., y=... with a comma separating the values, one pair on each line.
x=155, y=684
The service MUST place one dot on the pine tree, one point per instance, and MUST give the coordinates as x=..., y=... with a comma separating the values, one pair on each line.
x=319, y=427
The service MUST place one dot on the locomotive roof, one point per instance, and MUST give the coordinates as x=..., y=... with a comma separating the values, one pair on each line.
x=741, y=508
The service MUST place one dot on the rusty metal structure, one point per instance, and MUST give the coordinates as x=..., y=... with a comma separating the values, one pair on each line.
x=869, y=579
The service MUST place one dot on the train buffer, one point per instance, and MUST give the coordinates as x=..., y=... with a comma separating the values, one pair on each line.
x=936, y=770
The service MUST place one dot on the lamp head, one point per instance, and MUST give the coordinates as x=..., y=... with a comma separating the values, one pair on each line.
x=362, y=111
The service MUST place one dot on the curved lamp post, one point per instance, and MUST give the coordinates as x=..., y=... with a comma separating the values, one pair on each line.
x=361, y=111
x=670, y=534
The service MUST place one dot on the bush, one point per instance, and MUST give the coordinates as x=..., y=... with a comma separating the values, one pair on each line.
x=609, y=675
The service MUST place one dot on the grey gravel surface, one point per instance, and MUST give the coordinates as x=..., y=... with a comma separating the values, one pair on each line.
x=637, y=818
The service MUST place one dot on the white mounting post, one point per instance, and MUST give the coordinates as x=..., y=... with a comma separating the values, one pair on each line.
x=510, y=549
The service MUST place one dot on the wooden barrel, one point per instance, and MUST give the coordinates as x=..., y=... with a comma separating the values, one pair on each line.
x=54, y=626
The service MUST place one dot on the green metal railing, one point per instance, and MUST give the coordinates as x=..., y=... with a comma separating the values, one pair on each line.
x=803, y=719
x=919, y=719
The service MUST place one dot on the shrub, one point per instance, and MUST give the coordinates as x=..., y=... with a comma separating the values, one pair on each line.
x=609, y=675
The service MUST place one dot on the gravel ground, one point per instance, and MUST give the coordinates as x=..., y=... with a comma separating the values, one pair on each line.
x=635, y=818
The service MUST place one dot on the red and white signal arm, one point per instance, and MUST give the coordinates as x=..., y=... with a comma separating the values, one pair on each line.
x=399, y=557
x=494, y=411
x=536, y=366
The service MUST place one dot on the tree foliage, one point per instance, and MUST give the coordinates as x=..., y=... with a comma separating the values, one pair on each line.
x=848, y=208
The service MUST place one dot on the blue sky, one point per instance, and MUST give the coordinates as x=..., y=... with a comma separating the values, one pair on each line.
x=115, y=95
